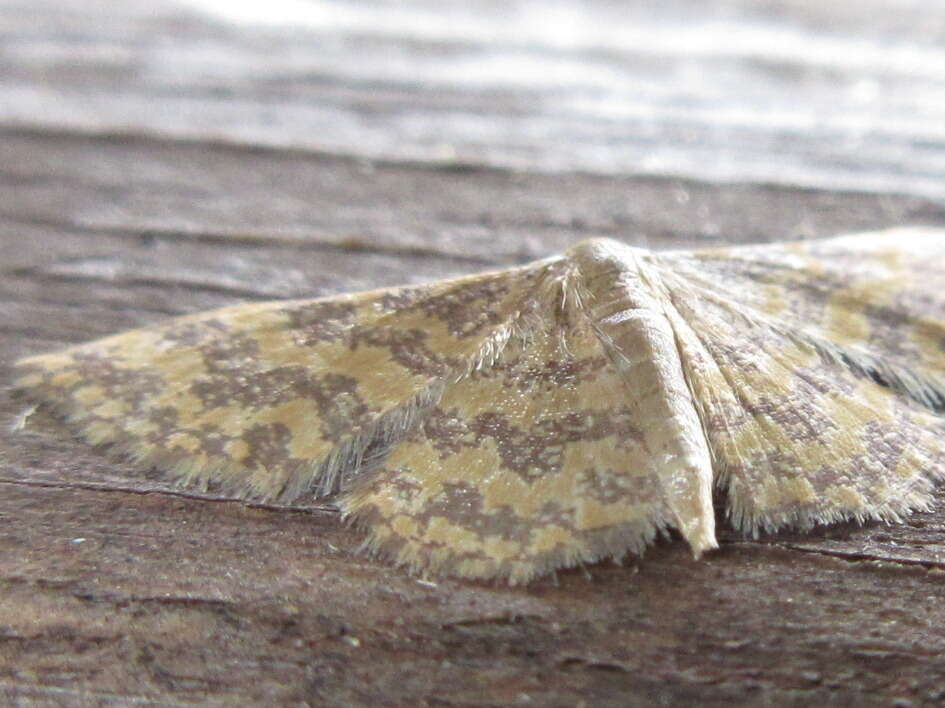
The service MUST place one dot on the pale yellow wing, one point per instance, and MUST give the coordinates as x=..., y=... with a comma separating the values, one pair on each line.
x=559, y=453
x=879, y=298
x=499, y=430
x=273, y=400
x=817, y=369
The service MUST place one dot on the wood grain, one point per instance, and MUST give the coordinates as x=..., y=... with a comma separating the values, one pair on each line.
x=118, y=589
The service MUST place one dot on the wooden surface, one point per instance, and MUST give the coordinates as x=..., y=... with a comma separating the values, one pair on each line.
x=121, y=206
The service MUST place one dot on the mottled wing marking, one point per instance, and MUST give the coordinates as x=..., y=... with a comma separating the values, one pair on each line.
x=795, y=400
x=880, y=297
x=267, y=400
x=539, y=461
x=507, y=424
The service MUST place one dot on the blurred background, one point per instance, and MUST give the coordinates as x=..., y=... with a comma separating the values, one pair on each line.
x=833, y=95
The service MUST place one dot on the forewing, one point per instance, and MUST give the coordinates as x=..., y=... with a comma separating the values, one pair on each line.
x=817, y=371
x=878, y=297
x=540, y=461
x=269, y=400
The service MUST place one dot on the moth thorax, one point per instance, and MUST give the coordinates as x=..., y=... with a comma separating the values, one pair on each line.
x=616, y=279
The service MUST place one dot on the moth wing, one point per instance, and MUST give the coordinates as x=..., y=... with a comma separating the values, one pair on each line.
x=877, y=297
x=548, y=458
x=816, y=375
x=271, y=400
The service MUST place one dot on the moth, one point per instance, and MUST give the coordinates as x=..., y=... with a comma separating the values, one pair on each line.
x=504, y=425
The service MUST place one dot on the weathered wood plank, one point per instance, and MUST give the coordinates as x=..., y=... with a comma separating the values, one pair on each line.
x=118, y=589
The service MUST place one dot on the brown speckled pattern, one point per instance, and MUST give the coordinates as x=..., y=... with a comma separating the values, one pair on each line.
x=519, y=421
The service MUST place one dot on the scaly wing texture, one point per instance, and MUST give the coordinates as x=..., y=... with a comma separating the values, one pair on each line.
x=878, y=297
x=548, y=458
x=268, y=400
x=534, y=443
x=818, y=370
x=507, y=424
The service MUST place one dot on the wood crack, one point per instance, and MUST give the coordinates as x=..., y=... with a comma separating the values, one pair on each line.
x=282, y=508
